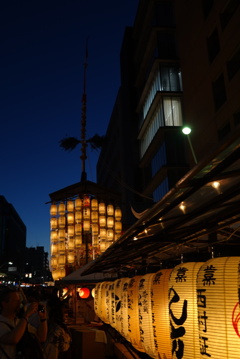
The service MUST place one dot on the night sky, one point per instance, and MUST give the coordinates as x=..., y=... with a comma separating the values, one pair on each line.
x=43, y=46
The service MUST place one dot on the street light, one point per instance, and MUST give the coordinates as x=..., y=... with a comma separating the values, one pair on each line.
x=186, y=131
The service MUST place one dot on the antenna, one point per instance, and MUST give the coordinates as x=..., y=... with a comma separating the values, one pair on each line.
x=83, y=121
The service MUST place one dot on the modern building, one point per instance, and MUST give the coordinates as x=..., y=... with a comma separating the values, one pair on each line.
x=36, y=265
x=208, y=38
x=144, y=151
x=12, y=238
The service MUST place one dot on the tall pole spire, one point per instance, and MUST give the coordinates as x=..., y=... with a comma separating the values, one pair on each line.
x=83, y=121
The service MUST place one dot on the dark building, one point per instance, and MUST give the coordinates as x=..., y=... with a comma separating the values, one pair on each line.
x=144, y=152
x=12, y=238
x=179, y=65
x=37, y=265
x=208, y=37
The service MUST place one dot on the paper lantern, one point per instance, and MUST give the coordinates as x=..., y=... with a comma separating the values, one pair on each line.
x=70, y=257
x=102, y=221
x=105, y=302
x=53, y=210
x=145, y=314
x=70, y=231
x=84, y=293
x=78, y=204
x=118, y=227
x=54, y=248
x=110, y=210
x=86, y=225
x=62, y=259
x=118, y=214
x=94, y=204
x=102, y=208
x=71, y=243
x=53, y=223
x=78, y=217
x=110, y=235
x=98, y=300
x=55, y=274
x=61, y=221
x=61, y=272
x=183, y=310
x=70, y=218
x=110, y=222
x=94, y=217
x=160, y=314
x=133, y=314
x=124, y=308
x=93, y=292
x=61, y=247
x=78, y=229
x=86, y=201
x=54, y=261
x=113, y=304
x=54, y=236
x=95, y=229
x=218, y=308
x=70, y=206
x=118, y=303
x=61, y=209
x=78, y=241
x=61, y=234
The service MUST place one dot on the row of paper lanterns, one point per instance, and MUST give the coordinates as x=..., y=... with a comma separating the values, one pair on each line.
x=191, y=311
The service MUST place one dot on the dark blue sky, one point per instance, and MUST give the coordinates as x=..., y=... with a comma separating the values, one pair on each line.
x=41, y=83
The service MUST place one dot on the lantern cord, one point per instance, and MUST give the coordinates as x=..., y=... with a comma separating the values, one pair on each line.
x=83, y=156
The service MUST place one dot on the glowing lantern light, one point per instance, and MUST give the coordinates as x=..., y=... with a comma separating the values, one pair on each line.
x=78, y=204
x=54, y=236
x=61, y=221
x=54, y=248
x=62, y=259
x=70, y=218
x=53, y=223
x=86, y=225
x=70, y=206
x=61, y=234
x=86, y=213
x=118, y=227
x=94, y=217
x=124, y=308
x=55, y=274
x=145, y=314
x=95, y=229
x=78, y=229
x=102, y=221
x=105, y=302
x=133, y=315
x=113, y=303
x=110, y=210
x=53, y=210
x=84, y=293
x=103, y=234
x=61, y=209
x=94, y=204
x=102, y=208
x=118, y=214
x=183, y=304
x=218, y=308
x=110, y=235
x=54, y=261
x=160, y=313
x=93, y=292
x=110, y=222
x=98, y=300
x=71, y=231
x=71, y=243
x=71, y=257
x=61, y=247
x=78, y=241
x=78, y=217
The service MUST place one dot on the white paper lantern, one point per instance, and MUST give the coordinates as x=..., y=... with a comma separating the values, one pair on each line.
x=61, y=209
x=218, y=290
x=183, y=310
x=53, y=209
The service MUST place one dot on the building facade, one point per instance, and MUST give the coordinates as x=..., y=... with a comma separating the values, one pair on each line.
x=12, y=238
x=144, y=151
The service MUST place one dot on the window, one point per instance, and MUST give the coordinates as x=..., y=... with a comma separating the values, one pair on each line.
x=159, y=160
x=207, y=7
x=219, y=92
x=213, y=45
x=172, y=111
x=233, y=66
x=229, y=11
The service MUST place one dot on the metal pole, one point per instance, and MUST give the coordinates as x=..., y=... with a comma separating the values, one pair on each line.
x=192, y=150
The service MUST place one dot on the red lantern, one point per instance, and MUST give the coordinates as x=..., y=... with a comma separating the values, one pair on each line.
x=84, y=293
